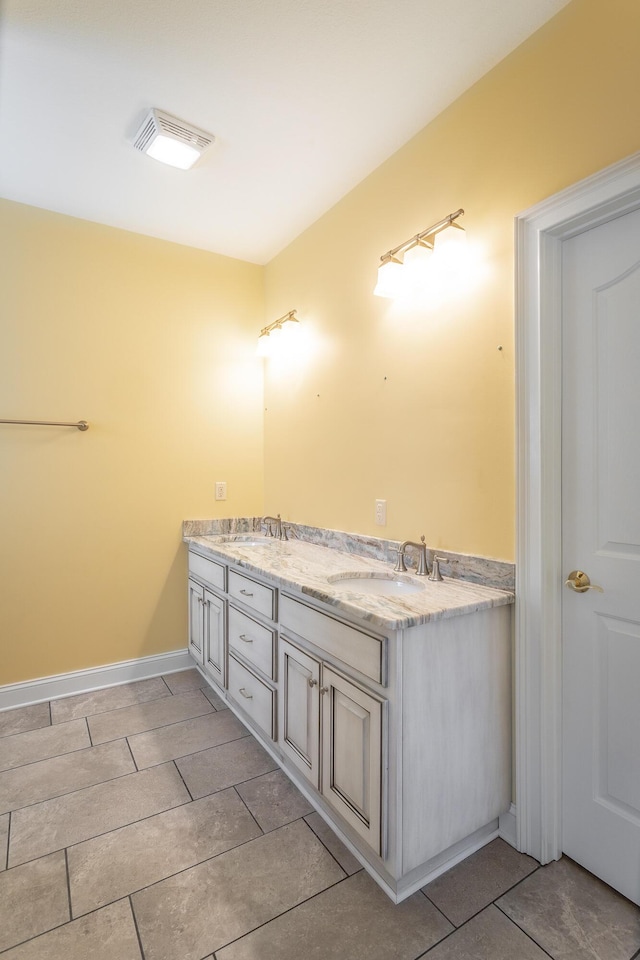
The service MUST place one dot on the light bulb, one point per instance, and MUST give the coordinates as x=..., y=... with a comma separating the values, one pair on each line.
x=263, y=349
x=289, y=332
x=274, y=338
x=451, y=239
x=416, y=263
x=173, y=152
x=390, y=275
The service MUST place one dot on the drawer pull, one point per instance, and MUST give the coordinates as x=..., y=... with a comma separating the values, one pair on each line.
x=312, y=682
x=245, y=638
x=247, y=696
x=245, y=593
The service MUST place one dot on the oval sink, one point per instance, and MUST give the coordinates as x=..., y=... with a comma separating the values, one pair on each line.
x=379, y=584
x=241, y=541
x=253, y=543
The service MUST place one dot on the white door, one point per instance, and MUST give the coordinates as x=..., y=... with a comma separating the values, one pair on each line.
x=601, y=536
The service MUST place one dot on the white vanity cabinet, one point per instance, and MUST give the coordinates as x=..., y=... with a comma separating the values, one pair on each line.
x=400, y=738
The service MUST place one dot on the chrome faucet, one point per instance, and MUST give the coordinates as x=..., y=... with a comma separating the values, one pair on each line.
x=280, y=532
x=421, y=566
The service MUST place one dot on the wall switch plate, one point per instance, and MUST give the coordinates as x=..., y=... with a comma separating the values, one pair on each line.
x=381, y=513
x=221, y=489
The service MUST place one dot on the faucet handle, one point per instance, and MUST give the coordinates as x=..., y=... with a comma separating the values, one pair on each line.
x=435, y=568
x=400, y=566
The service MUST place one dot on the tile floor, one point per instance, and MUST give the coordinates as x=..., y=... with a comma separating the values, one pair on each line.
x=142, y=822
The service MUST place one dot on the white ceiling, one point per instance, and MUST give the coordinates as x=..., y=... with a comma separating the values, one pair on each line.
x=305, y=98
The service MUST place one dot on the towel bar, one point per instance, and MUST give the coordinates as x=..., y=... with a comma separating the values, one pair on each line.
x=81, y=424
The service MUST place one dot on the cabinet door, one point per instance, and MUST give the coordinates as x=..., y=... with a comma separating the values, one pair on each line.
x=196, y=601
x=352, y=755
x=300, y=710
x=215, y=647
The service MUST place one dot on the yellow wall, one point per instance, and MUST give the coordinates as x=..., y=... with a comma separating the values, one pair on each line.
x=418, y=407
x=152, y=343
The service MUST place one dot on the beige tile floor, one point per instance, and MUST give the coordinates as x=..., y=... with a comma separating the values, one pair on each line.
x=142, y=822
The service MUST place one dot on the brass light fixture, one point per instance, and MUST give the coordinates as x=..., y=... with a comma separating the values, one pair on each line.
x=405, y=267
x=270, y=334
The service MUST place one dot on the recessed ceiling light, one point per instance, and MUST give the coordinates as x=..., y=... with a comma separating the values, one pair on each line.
x=170, y=140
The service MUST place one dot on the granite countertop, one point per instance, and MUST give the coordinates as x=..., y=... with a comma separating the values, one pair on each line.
x=307, y=567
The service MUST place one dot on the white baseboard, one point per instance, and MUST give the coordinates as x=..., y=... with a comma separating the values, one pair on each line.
x=81, y=681
x=507, y=826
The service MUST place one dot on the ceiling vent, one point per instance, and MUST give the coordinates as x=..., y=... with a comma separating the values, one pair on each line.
x=170, y=140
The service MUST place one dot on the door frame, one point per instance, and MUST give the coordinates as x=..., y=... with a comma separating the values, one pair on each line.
x=539, y=234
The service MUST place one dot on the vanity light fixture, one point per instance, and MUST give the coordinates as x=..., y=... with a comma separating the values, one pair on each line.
x=270, y=334
x=405, y=267
x=170, y=140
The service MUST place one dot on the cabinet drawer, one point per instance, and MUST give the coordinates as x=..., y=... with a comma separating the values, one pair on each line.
x=255, y=595
x=252, y=640
x=207, y=570
x=359, y=650
x=255, y=698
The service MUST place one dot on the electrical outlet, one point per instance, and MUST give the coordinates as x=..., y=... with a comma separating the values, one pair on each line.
x=381, y=513
x=221, y=489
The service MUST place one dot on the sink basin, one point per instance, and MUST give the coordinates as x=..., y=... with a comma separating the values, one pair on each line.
x=377, y=584
x=248, y=541
x=253, y=543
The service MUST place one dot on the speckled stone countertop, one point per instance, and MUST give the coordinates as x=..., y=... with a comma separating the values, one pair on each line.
x=309, y=568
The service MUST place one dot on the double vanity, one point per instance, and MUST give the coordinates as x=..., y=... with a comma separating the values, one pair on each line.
x=384, y=696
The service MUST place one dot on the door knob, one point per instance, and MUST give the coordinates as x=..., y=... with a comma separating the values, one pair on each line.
x=580, y=582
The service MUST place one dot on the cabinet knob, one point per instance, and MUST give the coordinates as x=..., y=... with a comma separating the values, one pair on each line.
x=324, y=689
x=247, y=696
x=312, y=682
